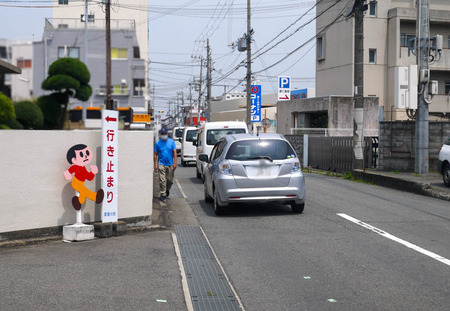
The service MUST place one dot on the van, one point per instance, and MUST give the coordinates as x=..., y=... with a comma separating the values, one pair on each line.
x=177, y=135
x=188, y=145
x=209, y=133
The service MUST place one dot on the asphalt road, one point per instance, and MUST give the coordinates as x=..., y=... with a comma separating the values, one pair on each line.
x=319, y=260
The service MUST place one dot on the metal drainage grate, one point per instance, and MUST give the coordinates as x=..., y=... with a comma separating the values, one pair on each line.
x=208, y=286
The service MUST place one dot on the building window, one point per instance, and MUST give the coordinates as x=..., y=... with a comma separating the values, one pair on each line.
x=117, y=53
x=63, y=26
x=24, y=63
x=138, y=87
x=447, y=87
x=120, y=89
x=3, y=53
x=63, y=1
x=320, y=48
x=65, y=51
x=404, y=38
x=372, y=56
x=136, y=52
x=373, y=8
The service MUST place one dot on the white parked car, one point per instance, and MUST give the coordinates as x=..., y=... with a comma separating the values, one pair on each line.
x=444, y=162
x=177, y=135
x=188, y=148
x=209, y=134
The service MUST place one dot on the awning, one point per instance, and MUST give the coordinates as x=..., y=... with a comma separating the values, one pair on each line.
x=6, y=67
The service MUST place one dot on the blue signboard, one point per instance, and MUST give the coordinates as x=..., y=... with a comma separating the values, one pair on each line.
x=256, y=103
x=298, y=94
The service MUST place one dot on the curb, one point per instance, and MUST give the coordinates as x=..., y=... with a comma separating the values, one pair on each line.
x=59, y=238
x=422, y=188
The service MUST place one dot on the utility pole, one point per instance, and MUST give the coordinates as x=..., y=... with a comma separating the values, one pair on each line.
x=83, y=114
x=249, y=64
x=109, y=105
x=422, y=113
x=208, y=79
x=200, y=91
x=358, y=110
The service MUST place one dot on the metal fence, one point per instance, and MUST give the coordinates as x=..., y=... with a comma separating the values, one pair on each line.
x=336, y=153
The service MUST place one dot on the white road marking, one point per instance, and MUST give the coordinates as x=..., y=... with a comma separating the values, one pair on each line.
x=398, y=240
x=181, y=189
x=187, y=295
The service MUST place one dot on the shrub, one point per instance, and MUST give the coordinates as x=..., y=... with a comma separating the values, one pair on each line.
x=51, y=109
x=6, y=109
x=29, y=115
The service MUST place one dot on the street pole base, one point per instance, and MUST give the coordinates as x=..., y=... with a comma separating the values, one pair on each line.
x=78, y=232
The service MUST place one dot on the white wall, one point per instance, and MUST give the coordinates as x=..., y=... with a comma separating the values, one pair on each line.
x=22, y=84
x=34, y=193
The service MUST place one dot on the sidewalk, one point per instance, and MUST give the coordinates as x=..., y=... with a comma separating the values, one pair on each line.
x=136, y=271
x=430, y=184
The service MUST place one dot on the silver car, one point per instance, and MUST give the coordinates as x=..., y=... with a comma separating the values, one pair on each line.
x=253, y=168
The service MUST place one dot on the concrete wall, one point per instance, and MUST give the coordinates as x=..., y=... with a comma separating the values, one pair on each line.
x=397, y=145
x=339, y=111
x=34, y=193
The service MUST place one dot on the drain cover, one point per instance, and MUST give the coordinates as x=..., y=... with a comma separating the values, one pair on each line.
x=207, y=283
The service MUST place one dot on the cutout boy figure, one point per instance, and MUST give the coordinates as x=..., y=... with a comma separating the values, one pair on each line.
x=79, y=156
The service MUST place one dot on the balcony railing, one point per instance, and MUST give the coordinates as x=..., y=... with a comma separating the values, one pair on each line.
x=442, y=64
x=76, y=23
x=115, y=91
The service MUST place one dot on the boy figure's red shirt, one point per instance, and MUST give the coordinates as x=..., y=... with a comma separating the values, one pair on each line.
x=81, y=173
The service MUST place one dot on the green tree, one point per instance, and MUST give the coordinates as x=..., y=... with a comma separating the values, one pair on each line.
x=7, y=114
x=51, y=109
x=29, y=114
x=68, y=77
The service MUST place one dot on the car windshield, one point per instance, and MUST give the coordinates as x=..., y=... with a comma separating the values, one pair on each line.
x=270, y=149
x=191, y=135
x=212, y=136
x=178, y=133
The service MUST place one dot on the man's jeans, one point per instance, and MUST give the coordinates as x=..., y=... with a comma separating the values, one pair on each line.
x=165, y=178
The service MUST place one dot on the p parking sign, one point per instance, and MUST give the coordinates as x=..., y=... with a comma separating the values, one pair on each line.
x=284, y=88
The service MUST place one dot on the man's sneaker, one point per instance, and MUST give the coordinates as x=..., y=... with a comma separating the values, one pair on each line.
x=162, y=198
x=167, y=194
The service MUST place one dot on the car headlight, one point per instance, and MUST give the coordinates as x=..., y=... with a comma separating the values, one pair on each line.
x=295, y=167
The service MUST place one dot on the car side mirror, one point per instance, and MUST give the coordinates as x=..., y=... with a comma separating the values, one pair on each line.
x=195, y=143
x=180, y=140
x=203, y=157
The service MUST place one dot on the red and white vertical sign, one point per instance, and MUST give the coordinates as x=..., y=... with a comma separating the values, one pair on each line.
x=110, y=165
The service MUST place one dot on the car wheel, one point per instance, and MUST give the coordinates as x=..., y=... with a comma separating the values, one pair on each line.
x=446, y=174
x=297, y=208
x=218, y=210
x=208, y=199
x=198, y=173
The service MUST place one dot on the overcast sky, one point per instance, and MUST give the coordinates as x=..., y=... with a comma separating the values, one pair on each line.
x=174, y=27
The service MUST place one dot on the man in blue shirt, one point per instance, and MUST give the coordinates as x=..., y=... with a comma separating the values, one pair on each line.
x=165, y=161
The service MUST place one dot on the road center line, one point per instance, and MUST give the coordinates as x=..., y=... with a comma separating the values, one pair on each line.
x=398, y=240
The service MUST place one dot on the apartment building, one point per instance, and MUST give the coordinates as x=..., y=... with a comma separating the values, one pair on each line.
x=64, y=38
x=388, y=24
x=134, y=10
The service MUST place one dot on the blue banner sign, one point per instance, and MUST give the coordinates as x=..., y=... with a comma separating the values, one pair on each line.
x=256, y=103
